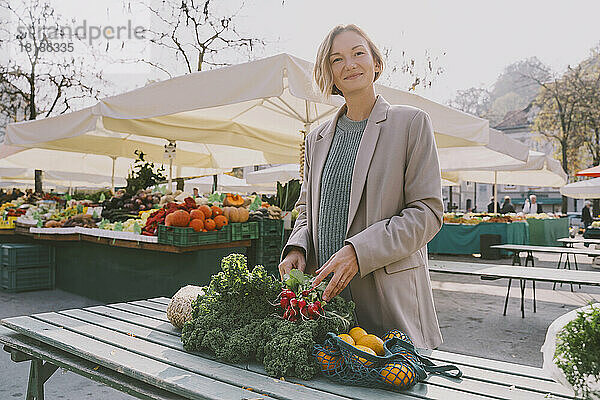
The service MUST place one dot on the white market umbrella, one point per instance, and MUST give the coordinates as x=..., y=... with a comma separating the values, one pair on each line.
x=588, y=189
x=280, y=173
x=446, y=182
x=539, y=170
x=500, y=151
x=225, y=183
x=259, y=106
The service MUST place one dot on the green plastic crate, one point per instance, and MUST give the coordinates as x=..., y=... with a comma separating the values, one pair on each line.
x=243, y=230
x=20, y=279
x=270, y=227
x=266, y=247
x=270, y=262
x=184, y=237
x=22, y=255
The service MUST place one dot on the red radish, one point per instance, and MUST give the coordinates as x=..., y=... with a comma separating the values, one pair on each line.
x=302, y=303
x=294, y=303
x=284, y=302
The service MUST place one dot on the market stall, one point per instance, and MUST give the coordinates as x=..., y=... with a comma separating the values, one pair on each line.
x=464, y=235
x=545, y=232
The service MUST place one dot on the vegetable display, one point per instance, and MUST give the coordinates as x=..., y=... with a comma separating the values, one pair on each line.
x=240, y=318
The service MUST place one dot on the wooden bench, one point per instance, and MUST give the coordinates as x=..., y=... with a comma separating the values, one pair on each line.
x=493, y=271
x=133, y=348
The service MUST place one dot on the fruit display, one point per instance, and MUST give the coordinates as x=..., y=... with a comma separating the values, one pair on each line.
x=124, y=206
x=474, y=219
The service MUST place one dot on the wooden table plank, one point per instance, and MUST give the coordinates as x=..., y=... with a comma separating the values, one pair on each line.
x=516, y=272
x=547, y=249
x=419, y=391
x=142, y=368
x=151, y=305
x=151, y=323
x=487, y=364
x=577, y=240
x=162, y=300
x=82, y=367
x=146, y=312
x=109, y=332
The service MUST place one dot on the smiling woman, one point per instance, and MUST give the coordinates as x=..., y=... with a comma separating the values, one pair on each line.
x=371, y=196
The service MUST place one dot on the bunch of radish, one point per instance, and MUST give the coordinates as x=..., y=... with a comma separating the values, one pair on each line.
x=303, y=306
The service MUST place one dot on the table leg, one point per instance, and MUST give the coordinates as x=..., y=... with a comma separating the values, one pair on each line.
x=39, y=373
x=35, y=387
x=522, y=284
x=507, y=293
x=534, y=310
x=516, y=258
x=529, y=259
x=568, y=265
x=576, y=267
x=557, y=267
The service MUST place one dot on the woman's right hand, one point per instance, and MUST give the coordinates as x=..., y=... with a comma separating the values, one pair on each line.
x=294, y=259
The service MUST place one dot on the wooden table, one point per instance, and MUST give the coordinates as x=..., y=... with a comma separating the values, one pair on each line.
x=133, y=348
x=493, y=272
x=569, y=242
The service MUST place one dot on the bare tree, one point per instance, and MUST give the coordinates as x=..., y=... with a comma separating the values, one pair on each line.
x=475, y=101
x=560, y=118
x=43, y=76
x=410, y=73
x=198, y=33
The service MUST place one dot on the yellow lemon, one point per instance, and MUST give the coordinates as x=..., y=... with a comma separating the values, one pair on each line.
x=329, y=362
x=364, y=361
x=399, y=375
x=373, y=342
x=347, y=338
x=356, y=333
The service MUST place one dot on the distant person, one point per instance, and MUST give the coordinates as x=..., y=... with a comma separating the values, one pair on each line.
x=490, y=206
x=196, y=193
x=507, y=206
x=586, y=214
x=532, y=206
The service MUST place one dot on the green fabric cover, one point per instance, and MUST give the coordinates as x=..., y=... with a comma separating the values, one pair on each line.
x=544, y=232
x=464, y=239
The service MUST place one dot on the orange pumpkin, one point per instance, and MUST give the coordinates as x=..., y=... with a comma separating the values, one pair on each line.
x=179, y=218
x=220, y=221
x=197, y=214
x=169, y=220
x=206, y=210
x=216, y=211
x=197, y=224
x=233, y=200
x=209, y=224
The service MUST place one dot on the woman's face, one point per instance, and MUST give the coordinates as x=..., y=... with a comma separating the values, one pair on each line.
x=351, y=62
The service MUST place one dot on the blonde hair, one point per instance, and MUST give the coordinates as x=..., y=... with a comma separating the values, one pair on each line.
x=322, y=72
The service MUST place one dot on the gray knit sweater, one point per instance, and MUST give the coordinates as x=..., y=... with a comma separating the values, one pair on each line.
x=336, y=181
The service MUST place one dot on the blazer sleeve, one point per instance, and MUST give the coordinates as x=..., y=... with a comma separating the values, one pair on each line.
x=301, y=235
x=395, y=238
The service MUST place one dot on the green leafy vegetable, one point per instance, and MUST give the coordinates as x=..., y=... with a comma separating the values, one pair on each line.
x=237, y=321
x=578, y=351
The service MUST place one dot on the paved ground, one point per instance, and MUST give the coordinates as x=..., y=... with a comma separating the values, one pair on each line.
x=469, y=312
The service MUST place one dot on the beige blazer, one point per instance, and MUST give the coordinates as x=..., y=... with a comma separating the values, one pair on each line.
x=395, y=209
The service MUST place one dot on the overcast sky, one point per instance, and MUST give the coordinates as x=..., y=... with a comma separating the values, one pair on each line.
x=478, y=38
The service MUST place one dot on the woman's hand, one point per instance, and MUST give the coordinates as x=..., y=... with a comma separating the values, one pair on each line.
x=344, y=266
x=294, y=259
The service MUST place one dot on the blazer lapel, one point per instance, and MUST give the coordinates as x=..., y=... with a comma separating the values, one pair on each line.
x=365, y=154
